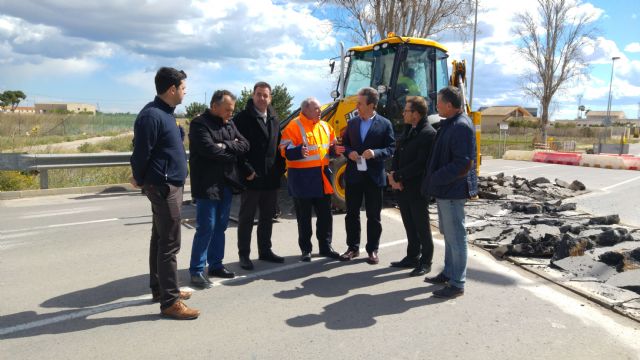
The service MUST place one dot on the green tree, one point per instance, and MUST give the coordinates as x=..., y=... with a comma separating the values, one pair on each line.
x=194, y=109
x=281, y=100
x=11, y=98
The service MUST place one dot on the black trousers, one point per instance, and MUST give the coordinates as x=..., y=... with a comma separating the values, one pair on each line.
x=166, y=201
x=251, y=200
x=371, y=193
x=414, y=210
x=324, y=222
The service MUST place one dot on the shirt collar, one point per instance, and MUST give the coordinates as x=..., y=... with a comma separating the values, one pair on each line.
x=306, y=119
x=163, y=105
x=371, y=118
x=260, y=114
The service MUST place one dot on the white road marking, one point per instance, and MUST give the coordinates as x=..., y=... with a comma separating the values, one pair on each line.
x=59, y=212
x=18, y=235
x=516, y=169
x=74, y=315
x=620, y=183
x=3, y=232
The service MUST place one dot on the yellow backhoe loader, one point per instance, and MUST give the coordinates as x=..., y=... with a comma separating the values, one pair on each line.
x=397, y=67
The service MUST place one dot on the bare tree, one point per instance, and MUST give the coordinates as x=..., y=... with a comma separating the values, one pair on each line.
x=370, y=20
x=552, y=43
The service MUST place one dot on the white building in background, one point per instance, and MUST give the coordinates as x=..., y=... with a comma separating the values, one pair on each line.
x=44, y=108
x=596, y=118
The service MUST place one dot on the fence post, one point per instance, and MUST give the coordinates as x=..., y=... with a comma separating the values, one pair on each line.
x=44, y=178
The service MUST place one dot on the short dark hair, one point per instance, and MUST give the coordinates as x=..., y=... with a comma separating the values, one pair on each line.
x=371, y=94
x=167, y=77
x=261, y=84
x=452, y=95
x=418, y=104
x=219, y=95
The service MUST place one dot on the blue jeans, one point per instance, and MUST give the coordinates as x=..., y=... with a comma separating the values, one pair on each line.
x=212, y=218
x=451, y=222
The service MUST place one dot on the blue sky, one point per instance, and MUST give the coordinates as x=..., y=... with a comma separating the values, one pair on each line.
x=106, y=53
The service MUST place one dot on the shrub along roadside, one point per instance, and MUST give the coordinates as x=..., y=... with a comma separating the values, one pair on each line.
x=15, y=180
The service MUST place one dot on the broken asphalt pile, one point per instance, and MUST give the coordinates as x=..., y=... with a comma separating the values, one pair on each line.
x=533, y=223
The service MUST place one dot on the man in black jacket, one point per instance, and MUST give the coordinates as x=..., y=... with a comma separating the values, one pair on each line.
x=214, y=147
x=159, y=165
x=407, y=170
x=261, y=168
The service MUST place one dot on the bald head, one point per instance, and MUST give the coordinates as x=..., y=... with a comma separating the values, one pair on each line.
x=310, y=108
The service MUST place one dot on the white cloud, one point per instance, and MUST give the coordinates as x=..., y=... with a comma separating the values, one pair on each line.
x=600, y=50
x=204, y=30
x=633, y=47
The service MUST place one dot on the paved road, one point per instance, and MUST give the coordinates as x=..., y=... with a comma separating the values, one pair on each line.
x=74, y=286
x=612, y=191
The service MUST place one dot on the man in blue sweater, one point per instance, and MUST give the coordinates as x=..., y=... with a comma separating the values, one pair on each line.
x=159, y=166
x=451, y=179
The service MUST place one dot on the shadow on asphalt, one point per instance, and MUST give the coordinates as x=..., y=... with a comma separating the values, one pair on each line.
x=108, y=296
x=360, y=311
x=357, y=311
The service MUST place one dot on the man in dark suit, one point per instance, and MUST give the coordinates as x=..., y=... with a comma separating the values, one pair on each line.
x=369, y=141
x=261, y=167
x=407, y=170
x=214, y=147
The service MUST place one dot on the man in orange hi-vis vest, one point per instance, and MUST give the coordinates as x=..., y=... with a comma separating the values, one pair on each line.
x=307, y=143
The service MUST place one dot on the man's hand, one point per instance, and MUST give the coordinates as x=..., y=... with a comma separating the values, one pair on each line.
x=133, y=183
x=395, y=185
x=338, y=149
x=353, y=156
x=368, y=154
x=305, y=150
x=252, y=176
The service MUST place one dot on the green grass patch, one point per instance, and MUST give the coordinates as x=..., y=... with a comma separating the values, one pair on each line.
x=62, y=178
x=23, y=130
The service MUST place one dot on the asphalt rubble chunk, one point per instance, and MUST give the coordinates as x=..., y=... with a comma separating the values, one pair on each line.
x=534, y=222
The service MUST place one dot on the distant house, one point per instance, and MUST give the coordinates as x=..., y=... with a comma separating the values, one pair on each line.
x=589, y=123
x=20, y=109
x=596, y=118
x=65, y=107
x=601, y=115
x=494, y=115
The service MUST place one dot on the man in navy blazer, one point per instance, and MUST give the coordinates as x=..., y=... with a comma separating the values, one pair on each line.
x=368, y=140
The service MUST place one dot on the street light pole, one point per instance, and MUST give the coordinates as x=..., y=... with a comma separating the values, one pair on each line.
x=473, y=56
x=608, y=118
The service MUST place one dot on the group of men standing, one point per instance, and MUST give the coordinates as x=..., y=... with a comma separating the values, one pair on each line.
x=248, y=154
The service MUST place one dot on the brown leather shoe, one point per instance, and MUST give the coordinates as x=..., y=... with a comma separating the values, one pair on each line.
x=349, y=255
x=180, y=311
x=373, y=258
x=184, y=295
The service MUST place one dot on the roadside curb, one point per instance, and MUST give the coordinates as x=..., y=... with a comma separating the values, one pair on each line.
x=112, y=188
x=96, y=189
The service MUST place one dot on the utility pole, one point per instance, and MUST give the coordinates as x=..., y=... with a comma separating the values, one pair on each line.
x=580, y=108
x=473, y=57
x=607, y=120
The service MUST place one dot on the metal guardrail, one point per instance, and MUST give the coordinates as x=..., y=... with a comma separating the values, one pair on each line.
x=43, y=162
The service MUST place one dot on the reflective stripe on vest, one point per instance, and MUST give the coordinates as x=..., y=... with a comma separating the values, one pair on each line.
x=319, y=159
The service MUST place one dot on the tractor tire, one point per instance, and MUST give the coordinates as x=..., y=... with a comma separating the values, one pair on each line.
x=338, y=168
